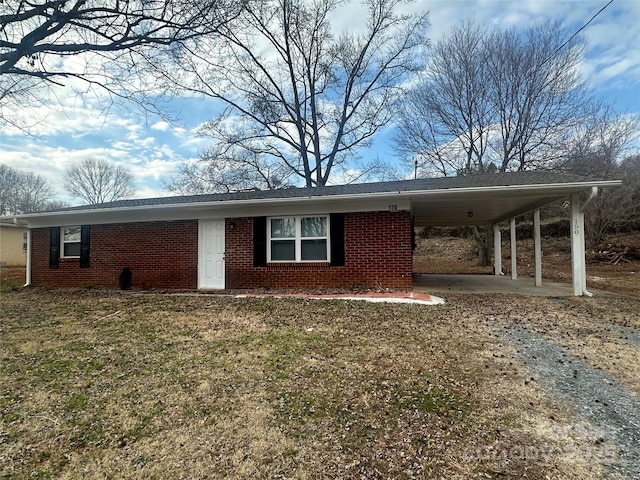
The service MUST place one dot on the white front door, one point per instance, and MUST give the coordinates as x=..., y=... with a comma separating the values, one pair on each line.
x=211, y=254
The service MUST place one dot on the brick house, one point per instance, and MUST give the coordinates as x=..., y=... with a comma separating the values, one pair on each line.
x=334, y=237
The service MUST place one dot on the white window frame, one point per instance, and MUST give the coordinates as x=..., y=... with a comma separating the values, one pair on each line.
x=298, y=239
x=63, y=243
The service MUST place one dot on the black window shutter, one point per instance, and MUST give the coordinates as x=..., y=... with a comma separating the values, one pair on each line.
x=337, y=239
x=259, y=241
x=54, y=246
x=85, y=240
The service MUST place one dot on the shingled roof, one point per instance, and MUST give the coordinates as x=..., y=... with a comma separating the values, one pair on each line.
x=423, y=184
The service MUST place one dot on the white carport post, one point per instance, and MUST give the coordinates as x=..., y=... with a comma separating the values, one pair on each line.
x=497, y=250
x=514, y=256
x=537, y=247
x=579, y=277
x=577, y=223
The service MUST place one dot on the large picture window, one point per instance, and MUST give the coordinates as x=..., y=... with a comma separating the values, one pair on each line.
x=70, y=239
x=298, y=239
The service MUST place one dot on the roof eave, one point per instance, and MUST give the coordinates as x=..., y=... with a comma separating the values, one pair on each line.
x=191, y=210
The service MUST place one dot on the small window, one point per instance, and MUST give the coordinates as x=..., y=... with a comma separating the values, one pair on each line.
x=70, y=237
x=283, y=239
x=313, y=239
x=25, y=241
x=298, y=239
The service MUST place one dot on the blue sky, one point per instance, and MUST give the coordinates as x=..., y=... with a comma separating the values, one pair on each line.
x=71, y=127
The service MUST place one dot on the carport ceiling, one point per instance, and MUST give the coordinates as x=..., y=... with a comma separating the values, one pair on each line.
x=477, y=199
x=483, y=206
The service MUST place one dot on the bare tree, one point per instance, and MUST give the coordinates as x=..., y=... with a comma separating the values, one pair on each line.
x=494, y=101
x=23, y=192
x=605, y=146
x=215, y=173
x=95, y=180
x=56, y=204
x=301, y=99
x=104, y=36
x=599, y=143
x=630, y=173
x=8, y=184
x=615, y=209
x=537, y=93
x=446, y=118
x=226, y=167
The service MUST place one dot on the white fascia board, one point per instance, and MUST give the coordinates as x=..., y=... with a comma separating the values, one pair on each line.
x=360, y=202
x=220, y=209
x=553, y=188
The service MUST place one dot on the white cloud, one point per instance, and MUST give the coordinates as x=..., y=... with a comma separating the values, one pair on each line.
x=49, y=154
x=161, y=126
x=153, y=191
x=155, y=169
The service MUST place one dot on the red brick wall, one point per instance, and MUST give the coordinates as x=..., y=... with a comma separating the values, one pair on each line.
x=159, y=254
x=165, y=255
x=377, y=254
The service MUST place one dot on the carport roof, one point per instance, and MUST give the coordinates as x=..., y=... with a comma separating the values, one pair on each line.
x=474, y=199
x=490, y=199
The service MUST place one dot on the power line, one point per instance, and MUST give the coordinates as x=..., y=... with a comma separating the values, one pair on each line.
x=582, y=28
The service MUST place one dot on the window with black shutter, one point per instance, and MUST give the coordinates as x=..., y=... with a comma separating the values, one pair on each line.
x=54, y=247
x=337, y=239
x=299, y=239
x=85, y=240
x=259, y=241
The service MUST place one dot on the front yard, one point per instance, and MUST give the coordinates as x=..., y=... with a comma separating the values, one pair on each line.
x=97, y=384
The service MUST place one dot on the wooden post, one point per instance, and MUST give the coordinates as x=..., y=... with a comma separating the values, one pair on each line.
x=537, y=245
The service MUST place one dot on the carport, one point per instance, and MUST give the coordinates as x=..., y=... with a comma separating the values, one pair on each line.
x=495, y=199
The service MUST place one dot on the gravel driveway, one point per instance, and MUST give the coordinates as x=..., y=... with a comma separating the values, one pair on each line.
x=610, y=415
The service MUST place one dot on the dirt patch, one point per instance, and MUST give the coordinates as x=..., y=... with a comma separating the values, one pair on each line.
x=11, y=278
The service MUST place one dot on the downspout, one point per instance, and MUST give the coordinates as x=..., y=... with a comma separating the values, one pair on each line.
x=592, y=196
x=28, y=267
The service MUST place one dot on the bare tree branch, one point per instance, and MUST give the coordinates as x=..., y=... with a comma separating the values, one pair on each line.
x=299, y=95
x=95, y=180
x=495, y=101
x=22, y=192
x=105, y=37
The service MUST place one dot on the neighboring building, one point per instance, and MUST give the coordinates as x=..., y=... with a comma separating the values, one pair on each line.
x=337, y=237
x=13, y=244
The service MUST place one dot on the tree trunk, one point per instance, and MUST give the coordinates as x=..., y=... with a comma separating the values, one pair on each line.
x=484, y=239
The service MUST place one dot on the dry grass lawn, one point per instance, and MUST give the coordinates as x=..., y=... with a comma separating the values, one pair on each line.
x=97, y=384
